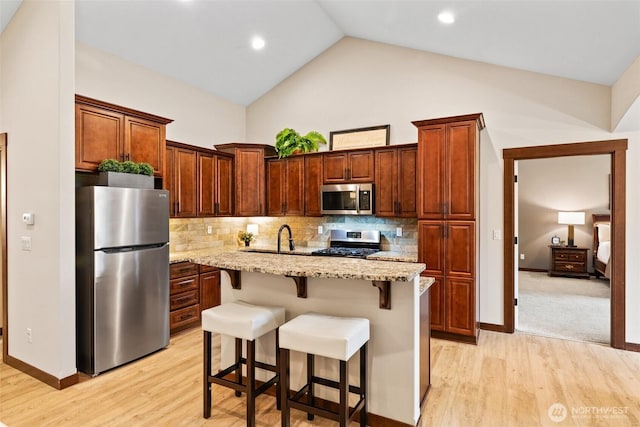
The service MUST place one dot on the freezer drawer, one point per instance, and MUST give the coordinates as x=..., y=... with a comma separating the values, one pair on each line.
x=130, y=318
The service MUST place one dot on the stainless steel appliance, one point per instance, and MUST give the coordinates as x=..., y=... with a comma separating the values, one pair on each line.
x=122, y=275
x=353, y=244
x=347, y=199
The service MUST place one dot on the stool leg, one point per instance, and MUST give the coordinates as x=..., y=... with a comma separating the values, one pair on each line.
x=310, y=371
x=343, y=412
x=284, y=387
x=363, y=384
x=251, y=383
x=278, y=385
x=206, y=374
x=238, y=362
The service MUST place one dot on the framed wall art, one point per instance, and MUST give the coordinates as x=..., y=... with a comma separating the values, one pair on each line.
x=374, y=136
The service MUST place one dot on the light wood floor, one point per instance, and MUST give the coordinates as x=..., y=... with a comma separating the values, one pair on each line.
x=507, y=380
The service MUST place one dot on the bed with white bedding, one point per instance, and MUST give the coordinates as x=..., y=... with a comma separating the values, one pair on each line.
x=601, y=244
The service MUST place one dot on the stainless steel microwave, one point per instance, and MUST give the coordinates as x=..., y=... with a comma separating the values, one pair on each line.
x=347, y=199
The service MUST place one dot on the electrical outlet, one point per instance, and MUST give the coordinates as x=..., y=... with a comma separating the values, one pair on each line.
x=398, y=231
x=209, y=229
x=521, y=256
x=29, y=336
x=320, y=229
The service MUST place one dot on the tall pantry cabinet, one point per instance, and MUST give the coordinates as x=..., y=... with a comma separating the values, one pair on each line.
x=447, y=185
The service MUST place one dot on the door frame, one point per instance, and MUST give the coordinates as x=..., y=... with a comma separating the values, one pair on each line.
x=617, y=149
x=3, y=242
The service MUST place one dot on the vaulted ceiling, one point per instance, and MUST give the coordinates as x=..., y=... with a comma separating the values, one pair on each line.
x=207, y=43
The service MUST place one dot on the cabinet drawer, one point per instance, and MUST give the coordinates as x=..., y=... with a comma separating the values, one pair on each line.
x=183, y=317
x=181, y=269
x=184, y=299
x=207, y=268
x=570, y=256
x=569, y=266
x=183, y=284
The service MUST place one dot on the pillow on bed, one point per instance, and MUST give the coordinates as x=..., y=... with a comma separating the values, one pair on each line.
x=604, y=232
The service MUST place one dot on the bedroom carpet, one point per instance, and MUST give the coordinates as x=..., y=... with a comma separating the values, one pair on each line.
x=563, y=307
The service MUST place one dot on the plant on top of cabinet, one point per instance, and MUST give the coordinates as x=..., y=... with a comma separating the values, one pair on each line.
x=288, y=142
x=125, y=174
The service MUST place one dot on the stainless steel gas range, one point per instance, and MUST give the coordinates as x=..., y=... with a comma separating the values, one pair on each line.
x=351, y=243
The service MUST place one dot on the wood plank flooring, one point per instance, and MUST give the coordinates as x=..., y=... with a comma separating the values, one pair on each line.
x=506, y=380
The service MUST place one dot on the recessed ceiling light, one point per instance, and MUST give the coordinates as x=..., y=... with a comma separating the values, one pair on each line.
x=257, y=42
x=446, y=18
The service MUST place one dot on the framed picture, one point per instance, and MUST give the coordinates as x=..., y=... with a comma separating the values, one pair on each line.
x=374, y=136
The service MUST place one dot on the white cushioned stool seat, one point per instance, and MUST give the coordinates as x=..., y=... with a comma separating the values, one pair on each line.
x=328, y=336
x=242, y=320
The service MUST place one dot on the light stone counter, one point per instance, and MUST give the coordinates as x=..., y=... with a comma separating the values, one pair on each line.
x=394, y=256
x=313, y=266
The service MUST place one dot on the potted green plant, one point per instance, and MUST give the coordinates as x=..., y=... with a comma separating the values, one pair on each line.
x=125, y=174
x=289, y=142
x=245, y=236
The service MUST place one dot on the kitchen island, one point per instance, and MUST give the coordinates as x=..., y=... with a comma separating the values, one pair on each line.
x=388, y=293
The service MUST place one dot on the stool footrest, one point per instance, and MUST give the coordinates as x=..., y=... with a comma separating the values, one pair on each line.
x=260, y=365
x=333, y=384
x=325, y=413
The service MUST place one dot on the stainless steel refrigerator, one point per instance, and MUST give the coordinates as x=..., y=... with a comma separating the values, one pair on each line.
x=122, y=275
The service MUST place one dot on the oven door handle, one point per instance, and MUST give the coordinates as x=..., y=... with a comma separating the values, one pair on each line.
x=358, y=198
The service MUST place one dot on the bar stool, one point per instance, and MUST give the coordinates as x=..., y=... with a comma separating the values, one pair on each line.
x=332, y=337
x=247, y=322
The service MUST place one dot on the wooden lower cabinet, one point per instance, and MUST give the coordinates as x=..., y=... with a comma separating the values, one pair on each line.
x=192, y=288
x=448, y=248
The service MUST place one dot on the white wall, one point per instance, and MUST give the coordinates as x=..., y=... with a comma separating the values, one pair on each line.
x=199, y=118
x=358, y=83
x=36, y=58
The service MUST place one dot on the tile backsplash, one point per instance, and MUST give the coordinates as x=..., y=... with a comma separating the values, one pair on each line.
x=193, y=233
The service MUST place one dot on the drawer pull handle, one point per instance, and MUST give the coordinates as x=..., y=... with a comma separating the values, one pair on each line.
x=186, y=316
x=569, y=267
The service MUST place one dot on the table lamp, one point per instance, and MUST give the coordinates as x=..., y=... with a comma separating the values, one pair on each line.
x=571, y=219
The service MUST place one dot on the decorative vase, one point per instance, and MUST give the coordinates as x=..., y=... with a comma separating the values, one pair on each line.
x=246, y=242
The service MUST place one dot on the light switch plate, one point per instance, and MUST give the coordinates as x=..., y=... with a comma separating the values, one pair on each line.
x=26, y=243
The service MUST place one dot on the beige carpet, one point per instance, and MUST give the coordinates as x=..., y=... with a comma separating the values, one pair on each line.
x=562, y=307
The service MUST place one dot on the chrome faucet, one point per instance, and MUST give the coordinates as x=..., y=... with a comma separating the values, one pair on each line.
x=292, y=245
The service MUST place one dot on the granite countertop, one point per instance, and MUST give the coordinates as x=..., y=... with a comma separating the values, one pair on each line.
x=394, y=256
x=425, y=284
x=308, y=266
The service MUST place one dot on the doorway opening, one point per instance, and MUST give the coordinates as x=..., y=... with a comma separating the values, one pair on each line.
x=557, y=283
x=616, y=149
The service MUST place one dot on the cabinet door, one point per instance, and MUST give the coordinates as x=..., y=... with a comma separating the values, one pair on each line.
x=460, y=311
x=185, y=183
x=276, y=184
x=360, y=168
x=460, y=249
x=250, y=192
x=145, y=142
x=209, y=289
x=436, y=300
x=294, y=186
x=431, y=172
x=431, y=246
x=386, y=182
x=169, y=178
x=312, y=183
x=206, y=184
x=460, y=170
x=406, y=181
x=224, y=180
x=335, y=168
x=99, y=136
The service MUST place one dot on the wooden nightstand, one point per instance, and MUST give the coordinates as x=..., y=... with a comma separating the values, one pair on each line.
x=568, y=261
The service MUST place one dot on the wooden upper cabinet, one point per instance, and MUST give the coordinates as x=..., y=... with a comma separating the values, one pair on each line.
x=207, y=172
x=312, y=183
x=224, y=198
x=285, y=186
x=250, y=187
x=108, y=131
x=348, y=166
x=200, y=181
x=396, y=181
x=448, y=167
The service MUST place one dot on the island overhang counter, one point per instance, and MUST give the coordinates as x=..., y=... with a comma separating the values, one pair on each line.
x=399, y=340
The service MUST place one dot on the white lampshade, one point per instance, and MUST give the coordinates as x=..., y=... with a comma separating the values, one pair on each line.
x=571, y=218
x=253, y=229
